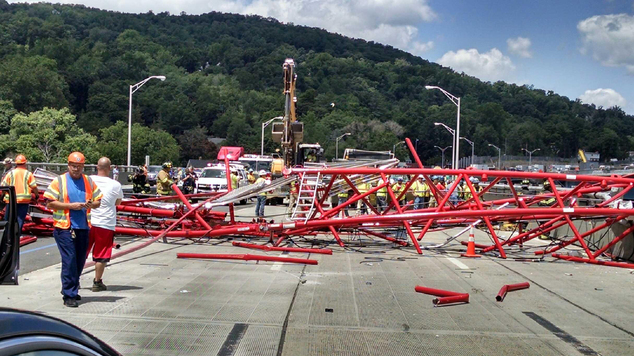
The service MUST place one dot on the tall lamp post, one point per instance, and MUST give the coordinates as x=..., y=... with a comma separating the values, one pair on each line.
x=394, y=147
x=530, y=155
x=337, y=144
x=264, y=125
x=499, y=155
x=456, y=141
x=453, y=135
x=133, y=89
x=443, y=154
x=472, y=148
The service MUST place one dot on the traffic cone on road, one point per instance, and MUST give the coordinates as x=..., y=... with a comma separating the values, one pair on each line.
x=471, y=246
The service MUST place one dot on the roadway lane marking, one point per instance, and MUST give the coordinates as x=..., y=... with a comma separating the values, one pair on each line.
x=458, y=263
x=37, y=249
x=278, y=265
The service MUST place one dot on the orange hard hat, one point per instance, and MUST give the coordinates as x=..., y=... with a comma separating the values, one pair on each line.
x=76, y=157
x=20, y=159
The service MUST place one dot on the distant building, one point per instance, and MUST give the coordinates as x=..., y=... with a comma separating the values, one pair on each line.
x=593, y=156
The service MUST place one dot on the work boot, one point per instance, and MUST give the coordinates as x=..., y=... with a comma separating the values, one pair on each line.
x=70, y=302
x=98, y=286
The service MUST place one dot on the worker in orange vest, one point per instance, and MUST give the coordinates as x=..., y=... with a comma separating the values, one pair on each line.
x=25, y=189
x=71, y=196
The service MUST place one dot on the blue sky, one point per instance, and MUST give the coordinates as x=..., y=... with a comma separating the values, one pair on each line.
x=577, y=48
x=557, y=62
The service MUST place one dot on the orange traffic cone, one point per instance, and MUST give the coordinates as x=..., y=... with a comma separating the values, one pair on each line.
x=471, y=246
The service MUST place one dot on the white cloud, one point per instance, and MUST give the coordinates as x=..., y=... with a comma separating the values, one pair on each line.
x=489, y=66
x=603, y=97
x=609, y=39
x=520, y=46
x=392, y=22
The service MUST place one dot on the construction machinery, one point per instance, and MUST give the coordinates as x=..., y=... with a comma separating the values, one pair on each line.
x=290, y=132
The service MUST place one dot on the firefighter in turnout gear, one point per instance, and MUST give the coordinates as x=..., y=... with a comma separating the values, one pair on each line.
x=139, y=181
x=547, y=189
x=163, y=180
x=189, y=181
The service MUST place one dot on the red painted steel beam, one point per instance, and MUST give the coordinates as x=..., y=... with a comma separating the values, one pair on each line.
x=288, y=249
x=25, y=240
x=189, y=206
x=596, y=262
x=460, y=298
x=509, y=288
x=436, y=292
x=245, y=257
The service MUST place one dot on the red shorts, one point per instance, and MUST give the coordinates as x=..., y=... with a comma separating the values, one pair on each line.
x=100, y=241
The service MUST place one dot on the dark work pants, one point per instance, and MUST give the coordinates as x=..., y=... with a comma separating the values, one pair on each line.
x=22, y=210
x=73, y=252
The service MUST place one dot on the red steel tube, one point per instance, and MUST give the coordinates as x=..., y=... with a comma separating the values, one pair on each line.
x=509, y=288
x=25, y=240
x=436, y=292
x=162, y=213
x=246, y=257
x=145, y=200
x=596, y=262
x=288, y=249
x=189, y=206
x=460, y=298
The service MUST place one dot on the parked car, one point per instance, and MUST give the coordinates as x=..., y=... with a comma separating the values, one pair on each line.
x=152, y=172
x=28, y=333
x=214, y=179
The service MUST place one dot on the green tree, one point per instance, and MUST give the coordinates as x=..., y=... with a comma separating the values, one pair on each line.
x=50, y=135
x=32, y=83
x=194, y=144
x=158, y=144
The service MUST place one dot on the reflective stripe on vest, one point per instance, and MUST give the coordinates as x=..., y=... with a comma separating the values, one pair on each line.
x=62, y=217
x=19, y=178
x=383, y=191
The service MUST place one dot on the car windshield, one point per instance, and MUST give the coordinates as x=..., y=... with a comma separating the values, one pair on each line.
x=154, y=168
x=213, y=173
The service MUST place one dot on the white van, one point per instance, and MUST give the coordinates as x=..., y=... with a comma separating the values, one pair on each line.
x=214, y=179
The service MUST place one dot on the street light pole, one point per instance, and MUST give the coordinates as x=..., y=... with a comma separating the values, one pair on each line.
x=453, y=139
x=530, y=155
x=337, y=144
x=443, y=155
x=456, y=100
x=472, y=148
x=264, y=125
x=394, y=147
x=133, y=89
x=499, y=155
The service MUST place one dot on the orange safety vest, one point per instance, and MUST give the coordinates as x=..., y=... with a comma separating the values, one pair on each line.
x=58, y=190
x=23, y=181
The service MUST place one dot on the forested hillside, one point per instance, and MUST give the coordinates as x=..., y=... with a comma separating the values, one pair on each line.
x=224, y=77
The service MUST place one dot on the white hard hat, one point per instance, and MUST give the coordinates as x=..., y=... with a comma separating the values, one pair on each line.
x=262, y=172
x=476, y=180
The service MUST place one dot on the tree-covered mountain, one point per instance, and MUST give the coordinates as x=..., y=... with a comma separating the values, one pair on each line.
x=224, y=78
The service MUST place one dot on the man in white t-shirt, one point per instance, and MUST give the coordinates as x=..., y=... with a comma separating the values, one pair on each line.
x=103, y=221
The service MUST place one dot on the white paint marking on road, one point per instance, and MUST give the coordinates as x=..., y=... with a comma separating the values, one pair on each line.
x=278, y=265
x=458, y=263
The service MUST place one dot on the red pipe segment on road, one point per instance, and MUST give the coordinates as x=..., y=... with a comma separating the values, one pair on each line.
x=509, y=288
x=246, y=257
x=436, y=292
x=288, y=249
x=596, y=262
x=460, y=298
x=25, y=240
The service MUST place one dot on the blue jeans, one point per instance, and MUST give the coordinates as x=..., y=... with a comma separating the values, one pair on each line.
x=381, y=203
x=419, y=203
x=341, y=202
x=22, y=210
x=259, y=206
x=73, y=252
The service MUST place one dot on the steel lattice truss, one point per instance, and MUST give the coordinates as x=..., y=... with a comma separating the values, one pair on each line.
x=315, y=215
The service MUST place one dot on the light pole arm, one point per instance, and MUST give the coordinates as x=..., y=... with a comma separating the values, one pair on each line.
x=454, y=99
